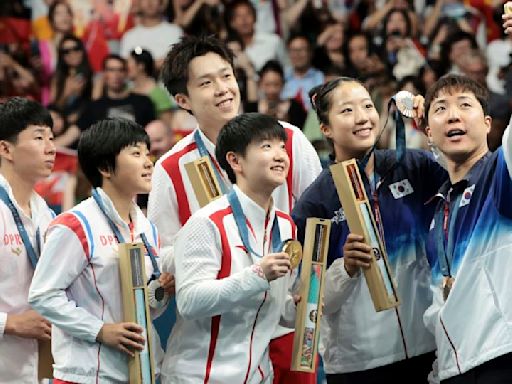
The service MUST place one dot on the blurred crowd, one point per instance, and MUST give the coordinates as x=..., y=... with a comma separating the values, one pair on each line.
x=87, y=60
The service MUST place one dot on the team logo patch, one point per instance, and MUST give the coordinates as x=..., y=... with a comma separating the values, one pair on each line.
x=16, y=251
x=466, y=196
x=339, y=216
x=401, y=188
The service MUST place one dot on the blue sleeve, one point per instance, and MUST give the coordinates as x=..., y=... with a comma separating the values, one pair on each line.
x=502, y=185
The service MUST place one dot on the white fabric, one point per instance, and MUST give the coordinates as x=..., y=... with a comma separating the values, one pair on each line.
x=265, y=47
x=18, y=356
x=246, y=305
x=77, y=287
x=157, y=39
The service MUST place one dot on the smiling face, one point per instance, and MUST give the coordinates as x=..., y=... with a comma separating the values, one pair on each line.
x=213, y=94
x=457, y=125
x=353, y=121
x=133, y=171
x=33, y=154
x=264, y=166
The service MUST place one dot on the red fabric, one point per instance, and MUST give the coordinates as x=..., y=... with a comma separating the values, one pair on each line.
x=281, y=356
x=57, y=381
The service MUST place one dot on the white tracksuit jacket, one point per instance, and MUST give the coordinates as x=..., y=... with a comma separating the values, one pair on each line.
x=18, y=356
x=227, y=311
x=473, y=325
x=76, y=286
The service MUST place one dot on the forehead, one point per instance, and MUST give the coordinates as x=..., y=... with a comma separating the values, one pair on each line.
x=452, y=93
x=207, y=65
x=348, y=92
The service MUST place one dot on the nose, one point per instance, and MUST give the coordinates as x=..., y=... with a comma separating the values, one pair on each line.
x=361, y=115
x=221, y=87
x=453, y=114
x=50, y=147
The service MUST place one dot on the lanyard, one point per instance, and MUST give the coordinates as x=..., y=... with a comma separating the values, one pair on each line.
x=204, y=152
x=120, y=239
x=31, y=252
x=240, y=221
x=444, y=242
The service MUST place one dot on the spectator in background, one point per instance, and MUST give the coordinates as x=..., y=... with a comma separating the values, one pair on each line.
x=270, y=102
x=454, y=47
x=377, y=18
x=60, y=17
x=71, y=86
x=141, y=71
x=117, y=100
x=260, y=47
x=16, y=79
x=198, y=17
x=328, y=50
x=154, y=33
x=300, y=77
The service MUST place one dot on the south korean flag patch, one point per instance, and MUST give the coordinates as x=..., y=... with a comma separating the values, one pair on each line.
x=466, y=196
x=401, y=188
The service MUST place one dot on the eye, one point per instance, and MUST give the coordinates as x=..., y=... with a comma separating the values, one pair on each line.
x=204, y=83
x=439, y=109
x=227, y=75
x=136, y=153
x=346, y=110
x=369, y=106
x=466, y=104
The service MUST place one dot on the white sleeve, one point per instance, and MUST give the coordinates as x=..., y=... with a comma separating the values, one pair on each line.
x=198, y=256
x=338, y=286
x=431, y=315
x=507, y=147
x=61, y=262
x=163, y=212
x=3, y=321
x=306, y=164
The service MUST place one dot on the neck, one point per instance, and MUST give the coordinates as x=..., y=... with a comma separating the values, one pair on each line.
x=458, y=169
x=142, y=81
x=261, y=197
x=113, y=94
x=122, y=202
x=211, y=133
x=300, y=72
x=150, y=21
x=21, y=188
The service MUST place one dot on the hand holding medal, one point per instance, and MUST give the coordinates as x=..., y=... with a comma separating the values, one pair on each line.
x=411, y=106
x=507, y=17
x=294, y=251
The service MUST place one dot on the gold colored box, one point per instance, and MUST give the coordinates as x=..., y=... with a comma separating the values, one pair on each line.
x=45, y=360
x=205, y=184
x=358, y=212
x=309, y=309
x=136, y=309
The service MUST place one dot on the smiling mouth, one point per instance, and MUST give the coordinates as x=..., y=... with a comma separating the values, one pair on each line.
x=455, y=132
x=224, y=103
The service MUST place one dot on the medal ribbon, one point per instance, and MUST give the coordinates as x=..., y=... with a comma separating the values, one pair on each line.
x=204, y=152
x=117, y=234
x=240, y=221
x=31, y=252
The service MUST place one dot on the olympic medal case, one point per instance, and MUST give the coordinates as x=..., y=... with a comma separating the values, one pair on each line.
x=136, y=309
x=205, y=184
x=358, y=212
x=309, y=309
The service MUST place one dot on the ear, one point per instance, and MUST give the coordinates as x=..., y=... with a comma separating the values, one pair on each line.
x=106, y=174
x=183, y=101
x=326, y=130
x=428, y=133
x=233, y=160
x=488, y=123
x=6, y=149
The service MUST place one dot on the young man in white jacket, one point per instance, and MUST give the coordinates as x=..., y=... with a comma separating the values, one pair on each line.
x=27, y=154
x=77, y=284
x=232, y=277
x=470, y=239
x=198, y=72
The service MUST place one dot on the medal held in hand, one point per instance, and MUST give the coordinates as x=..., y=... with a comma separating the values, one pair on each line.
x=507, y=7
x=294, y=250
x=157, y=296
x=405, y=103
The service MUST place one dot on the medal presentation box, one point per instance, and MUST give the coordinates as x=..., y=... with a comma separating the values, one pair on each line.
x=309, y=309
x=360, y=220
x=204, y=182
x=136, y=309
x=45, y=360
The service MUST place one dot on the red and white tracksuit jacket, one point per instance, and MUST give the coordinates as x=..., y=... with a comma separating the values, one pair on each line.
x=18, y=356
x=225, y=307
x=76, y=286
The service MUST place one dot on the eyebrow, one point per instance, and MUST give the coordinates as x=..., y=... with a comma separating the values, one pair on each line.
x=460, y=97
x=211, y=74
x=355, y=101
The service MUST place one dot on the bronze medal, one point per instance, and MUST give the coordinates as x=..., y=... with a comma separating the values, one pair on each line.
x=294, y=250
x=447, y=286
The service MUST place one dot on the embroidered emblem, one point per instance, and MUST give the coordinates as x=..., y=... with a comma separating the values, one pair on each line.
x=401, y=188
x=466, y=196
x=339, y=216
x=16, y=251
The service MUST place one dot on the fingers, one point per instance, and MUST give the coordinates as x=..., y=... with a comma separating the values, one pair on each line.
x=132, y=344
x=122, y=348
x=132, y=327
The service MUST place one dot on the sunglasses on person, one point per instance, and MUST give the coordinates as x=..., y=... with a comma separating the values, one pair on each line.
x=66, y=51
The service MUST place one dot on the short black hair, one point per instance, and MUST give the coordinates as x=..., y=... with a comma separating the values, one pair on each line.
x=272, y=66
x=243, y=130
x=100, y=144
x=453, y=83
x=144, y=57
x=175, y=68
x=17, y=113
x=112, y=56
x=299, y=35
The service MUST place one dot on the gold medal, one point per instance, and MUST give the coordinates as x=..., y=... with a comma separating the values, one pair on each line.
x=447, y=286
x=507, y=7
x=294, y=250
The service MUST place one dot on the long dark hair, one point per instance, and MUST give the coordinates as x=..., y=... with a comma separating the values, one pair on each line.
x=63, y=69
